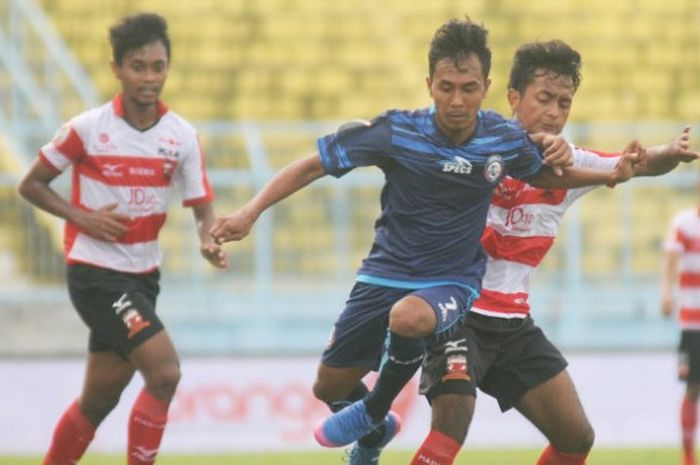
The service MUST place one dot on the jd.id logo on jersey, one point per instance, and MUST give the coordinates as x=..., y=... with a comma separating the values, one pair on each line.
x=458, y=166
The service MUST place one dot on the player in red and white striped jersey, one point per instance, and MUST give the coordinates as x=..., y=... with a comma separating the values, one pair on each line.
x=681, y=267
x=499, y=348
x=126, y=155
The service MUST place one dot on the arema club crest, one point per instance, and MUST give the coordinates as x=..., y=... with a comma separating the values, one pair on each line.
x=493, y=168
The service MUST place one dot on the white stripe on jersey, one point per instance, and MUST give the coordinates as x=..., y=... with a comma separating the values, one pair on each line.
x=133, y=201
x=143, y=256
x=528, y=219
x=116, y=163
x=690, y=261
x=506, y=277
x=690, y=298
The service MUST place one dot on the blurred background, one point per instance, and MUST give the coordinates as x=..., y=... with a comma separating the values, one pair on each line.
x=262, y=80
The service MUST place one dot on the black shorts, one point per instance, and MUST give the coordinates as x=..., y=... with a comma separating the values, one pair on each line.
x=503, y=357
x=119, y=308
x=689, y=356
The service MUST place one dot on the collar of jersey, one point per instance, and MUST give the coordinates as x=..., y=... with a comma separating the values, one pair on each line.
x=433, y=131
x=118, y=105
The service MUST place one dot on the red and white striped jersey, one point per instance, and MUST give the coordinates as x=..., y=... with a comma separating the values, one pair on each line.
x=684, y=238
x=520, y=229
x=115, y=163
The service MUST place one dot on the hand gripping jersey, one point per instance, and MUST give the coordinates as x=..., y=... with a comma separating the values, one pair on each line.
x=521, y=226
x=436, y=194
x=684, y=238
x=115, y=163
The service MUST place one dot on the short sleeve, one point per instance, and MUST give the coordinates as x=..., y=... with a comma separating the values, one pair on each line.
x=528, y=161
x=65, y=147
x=361, y=145
x=675, y=240
x=192, y=175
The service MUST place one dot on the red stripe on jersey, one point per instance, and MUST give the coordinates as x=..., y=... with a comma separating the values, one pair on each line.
x=526, y=250
x=690, y=315
x=143, y=229
x=122, y=171
x=690, y=243
x=504, y=303
x=690, y=279
x=70, y=145
x=514, y=192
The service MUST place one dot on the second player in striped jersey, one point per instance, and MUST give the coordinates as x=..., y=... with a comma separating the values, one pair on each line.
x=499, y=348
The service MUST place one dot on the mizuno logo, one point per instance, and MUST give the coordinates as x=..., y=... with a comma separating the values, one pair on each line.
x=111, y=169
x=455, y=346
x=122, y=304
x=458, y=166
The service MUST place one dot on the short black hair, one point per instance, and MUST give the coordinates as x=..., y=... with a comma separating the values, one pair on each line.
x=555, y=56
x=137, y=30
x=456, y=39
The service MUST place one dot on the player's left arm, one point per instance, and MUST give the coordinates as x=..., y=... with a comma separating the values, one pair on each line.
x=578, y=176
x=210, y=250
x=663, y=158
x=669, y=278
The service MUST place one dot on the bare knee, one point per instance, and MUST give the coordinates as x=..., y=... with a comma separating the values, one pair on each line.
x=579, y=443
x=97, y=407
x=412, y=317
x=324, y=392
x=162, y=381
x=336, y=383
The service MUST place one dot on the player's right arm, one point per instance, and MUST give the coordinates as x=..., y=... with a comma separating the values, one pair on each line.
x=103, y=224
x=669, y=271
x=290, y=179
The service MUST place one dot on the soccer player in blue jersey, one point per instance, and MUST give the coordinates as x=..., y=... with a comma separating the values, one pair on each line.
x=424, y=269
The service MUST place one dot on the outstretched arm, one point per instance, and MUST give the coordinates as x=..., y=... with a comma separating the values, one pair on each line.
x=663, y=158
x=290, y=179
x=577, y=176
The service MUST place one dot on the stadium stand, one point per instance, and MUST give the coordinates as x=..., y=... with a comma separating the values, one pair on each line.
x=263, y=79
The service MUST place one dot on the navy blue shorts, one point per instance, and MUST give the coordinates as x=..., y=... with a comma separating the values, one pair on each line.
x=119, y=308
x=360, y=333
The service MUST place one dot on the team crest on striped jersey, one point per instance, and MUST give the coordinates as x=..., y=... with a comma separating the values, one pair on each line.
x=493, y=168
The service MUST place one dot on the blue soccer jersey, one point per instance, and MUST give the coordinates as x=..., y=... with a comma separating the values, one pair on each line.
x=436, y=194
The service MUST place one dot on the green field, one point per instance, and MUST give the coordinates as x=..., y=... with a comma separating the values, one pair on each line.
x=467, y=457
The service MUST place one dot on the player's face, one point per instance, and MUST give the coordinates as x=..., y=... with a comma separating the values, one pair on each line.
x=142, y=73
x=545, y=104
x=458, y=89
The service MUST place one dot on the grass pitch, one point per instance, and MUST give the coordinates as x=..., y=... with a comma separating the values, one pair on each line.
x=466, y=457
